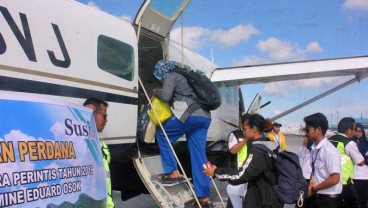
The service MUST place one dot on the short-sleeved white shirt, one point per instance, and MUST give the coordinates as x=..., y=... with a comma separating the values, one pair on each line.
x=305, y=162
x=353, y=152
x=241, y=189
x=361, y=172
x=327, y=160
x=233, y=141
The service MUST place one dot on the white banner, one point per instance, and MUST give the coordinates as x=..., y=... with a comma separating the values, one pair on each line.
x=50, y=155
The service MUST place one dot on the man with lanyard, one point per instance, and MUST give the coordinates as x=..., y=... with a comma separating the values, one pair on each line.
x=238, y=147
x=350, y=155
x=277, y=137
x=99, y=108
x=325, y=185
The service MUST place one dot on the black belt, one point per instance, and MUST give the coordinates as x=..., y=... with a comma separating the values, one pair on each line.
x=333, y=196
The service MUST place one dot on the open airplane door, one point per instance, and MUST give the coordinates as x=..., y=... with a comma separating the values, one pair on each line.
x=255, y=106
x=241, y=103
x=158, y=16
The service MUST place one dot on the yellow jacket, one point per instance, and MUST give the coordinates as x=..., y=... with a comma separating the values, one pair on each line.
x=107, y=158
x=272, y=137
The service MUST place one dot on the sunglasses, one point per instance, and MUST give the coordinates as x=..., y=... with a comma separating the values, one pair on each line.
x=307, y=129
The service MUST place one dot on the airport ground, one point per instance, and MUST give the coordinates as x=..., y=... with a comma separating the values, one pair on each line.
x=146, y=201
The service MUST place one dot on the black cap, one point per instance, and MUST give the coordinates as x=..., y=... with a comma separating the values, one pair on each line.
x=277, y=124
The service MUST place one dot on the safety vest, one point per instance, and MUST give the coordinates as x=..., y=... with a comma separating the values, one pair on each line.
x=272, y=137
x=106, y=161
x=347, y=165
x=242, y=154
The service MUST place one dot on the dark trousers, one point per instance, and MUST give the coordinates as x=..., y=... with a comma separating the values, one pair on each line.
x=361, y=187
x=307, y=203
x=350, y=197
x=229, y=204
x=326, y=202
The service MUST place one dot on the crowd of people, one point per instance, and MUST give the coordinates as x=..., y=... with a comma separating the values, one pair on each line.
x=334, y=168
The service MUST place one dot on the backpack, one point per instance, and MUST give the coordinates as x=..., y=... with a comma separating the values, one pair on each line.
x=290, y=186
x=145, y=132
x=208, y=97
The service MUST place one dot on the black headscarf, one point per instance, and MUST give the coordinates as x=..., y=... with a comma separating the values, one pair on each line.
x=362, y=143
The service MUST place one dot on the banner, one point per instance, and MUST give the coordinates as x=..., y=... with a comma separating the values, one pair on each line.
x=50, y=155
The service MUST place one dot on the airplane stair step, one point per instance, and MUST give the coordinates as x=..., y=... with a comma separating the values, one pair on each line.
x=173, y=195
x=158, y=182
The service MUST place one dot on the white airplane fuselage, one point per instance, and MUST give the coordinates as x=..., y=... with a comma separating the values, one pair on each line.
x=53, y=49
x=64, y=50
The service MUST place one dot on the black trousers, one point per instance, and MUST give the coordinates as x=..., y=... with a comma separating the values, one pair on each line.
x=229, y=204
x=350, y=197
x=361, y=187
x=327, y=202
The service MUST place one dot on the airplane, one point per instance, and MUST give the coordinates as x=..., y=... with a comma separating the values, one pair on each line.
x=64, y=50
x=72, y=52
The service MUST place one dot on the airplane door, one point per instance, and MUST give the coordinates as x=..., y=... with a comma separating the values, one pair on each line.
x=158, y=16
x=241, y=103
x=255, y=106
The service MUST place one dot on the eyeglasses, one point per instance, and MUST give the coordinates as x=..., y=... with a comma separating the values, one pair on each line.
x=104, y=115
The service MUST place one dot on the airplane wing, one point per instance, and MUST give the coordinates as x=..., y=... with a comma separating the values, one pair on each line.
x=357, y=66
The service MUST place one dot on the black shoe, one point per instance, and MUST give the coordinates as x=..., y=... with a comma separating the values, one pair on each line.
x=166, y=179
x=159, y=176
x=207, y=204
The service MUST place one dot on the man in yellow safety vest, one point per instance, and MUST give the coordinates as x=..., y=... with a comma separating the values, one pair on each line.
x=99, y=108
x=238, y=147
x=277, y=137
x=350, y=155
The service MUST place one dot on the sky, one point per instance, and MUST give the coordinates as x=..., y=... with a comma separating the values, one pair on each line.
x=247, y=32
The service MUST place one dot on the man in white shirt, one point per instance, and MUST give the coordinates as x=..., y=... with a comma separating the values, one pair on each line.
x=304, y=158
x=305, y=162
x=325, y=185
x=350, y=155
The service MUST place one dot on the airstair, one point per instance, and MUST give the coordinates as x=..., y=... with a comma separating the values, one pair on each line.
x=174, y=195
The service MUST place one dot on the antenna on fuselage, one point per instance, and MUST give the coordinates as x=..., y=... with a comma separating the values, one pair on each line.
x=182, y=39
x=211, y=55
x=266, y=104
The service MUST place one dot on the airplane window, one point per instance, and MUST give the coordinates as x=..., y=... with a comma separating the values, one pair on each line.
x=236, y=95
x=115, y=57
x=228, y=94
x=220, y=89
x=167, y=8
